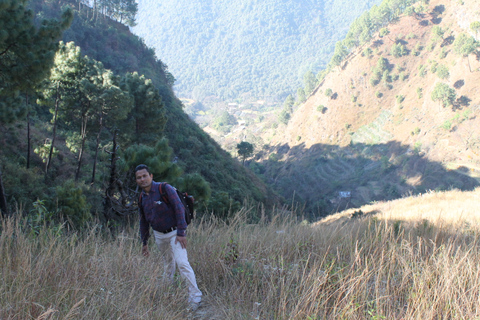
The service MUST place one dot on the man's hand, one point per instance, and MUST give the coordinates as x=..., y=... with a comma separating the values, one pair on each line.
x=182, y=240
x=145, y=251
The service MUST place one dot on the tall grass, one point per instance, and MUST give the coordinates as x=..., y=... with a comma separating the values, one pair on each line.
x=377, y=266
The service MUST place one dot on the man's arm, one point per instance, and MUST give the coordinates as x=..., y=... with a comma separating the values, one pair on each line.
x=144, y=231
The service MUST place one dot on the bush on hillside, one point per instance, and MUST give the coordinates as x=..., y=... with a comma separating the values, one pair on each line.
x=71, y=205
x=443, y=93
x=442, y=72
x=398, y=50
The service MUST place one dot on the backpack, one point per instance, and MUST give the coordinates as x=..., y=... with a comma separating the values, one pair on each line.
x=187, y=201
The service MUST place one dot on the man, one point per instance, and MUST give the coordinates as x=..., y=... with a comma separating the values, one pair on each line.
x=169, y=229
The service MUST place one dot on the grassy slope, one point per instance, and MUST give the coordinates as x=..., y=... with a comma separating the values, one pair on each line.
x=402, y=262
x=377, y=147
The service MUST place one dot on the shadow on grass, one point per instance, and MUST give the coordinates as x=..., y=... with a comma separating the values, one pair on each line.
x=327, y=178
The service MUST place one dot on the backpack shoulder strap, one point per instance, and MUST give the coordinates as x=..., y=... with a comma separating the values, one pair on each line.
x=163, y=193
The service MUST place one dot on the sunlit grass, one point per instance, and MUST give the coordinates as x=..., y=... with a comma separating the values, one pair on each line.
x=413, y=258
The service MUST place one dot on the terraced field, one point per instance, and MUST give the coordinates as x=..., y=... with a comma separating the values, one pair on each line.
x=374, y=133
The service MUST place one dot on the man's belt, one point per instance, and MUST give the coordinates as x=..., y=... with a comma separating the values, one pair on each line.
x=168, y=230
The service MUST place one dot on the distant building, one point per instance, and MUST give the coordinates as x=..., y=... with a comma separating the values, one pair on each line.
x=344, y=194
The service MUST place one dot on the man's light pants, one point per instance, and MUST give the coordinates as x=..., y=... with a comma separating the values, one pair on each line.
x=174, y=254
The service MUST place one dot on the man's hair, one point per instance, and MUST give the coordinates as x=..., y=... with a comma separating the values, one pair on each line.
x=141, y=167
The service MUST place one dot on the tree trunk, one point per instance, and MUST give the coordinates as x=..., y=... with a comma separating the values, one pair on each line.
x=29, y=139
x=3, y=199
x=107, y=203
x=137, y=129
x=96, y=147
x=49, y=160
x=83, y=134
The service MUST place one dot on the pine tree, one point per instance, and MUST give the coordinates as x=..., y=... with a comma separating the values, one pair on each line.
x=112, y=105
x=147, y=116
x=26, y=53
x=26, y=56
x=244, y=149
x=465, y=45
x=443, y=93
x=310, y=82
x=60, y=85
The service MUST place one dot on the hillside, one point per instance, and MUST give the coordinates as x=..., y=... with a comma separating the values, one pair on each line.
x=367, y=134
x=244, y=50
x=193, y=152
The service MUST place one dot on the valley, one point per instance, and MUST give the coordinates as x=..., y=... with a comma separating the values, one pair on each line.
x=372, y=127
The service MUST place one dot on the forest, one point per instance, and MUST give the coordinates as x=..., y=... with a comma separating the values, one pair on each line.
x=244, y=50
x=82, y=102
x=300, y=43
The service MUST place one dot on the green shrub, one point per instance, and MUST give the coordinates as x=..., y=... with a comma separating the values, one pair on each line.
x=422, y=71
x=374, y=81
x=417, y=147
x=72, y=204
x=398, y=50
x=447, y=125
x=321, y=108
x=437, y=33
x=419, y=93
x=442, y=71
x=386, y=76
x=443, y=93
x=367, y=52
x=23, y=185
x=443, y=53
x=273, y=157
x=411, y=35
x=417, y=49
x=223, y=205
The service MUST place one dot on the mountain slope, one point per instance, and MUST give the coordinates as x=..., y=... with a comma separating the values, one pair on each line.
x=380, y=139
x=244, y=49
x=121, y=51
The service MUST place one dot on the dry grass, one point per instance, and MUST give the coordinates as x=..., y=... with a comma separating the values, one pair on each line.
x=415, y=258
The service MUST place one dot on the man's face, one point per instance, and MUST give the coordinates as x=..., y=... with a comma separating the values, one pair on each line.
x=144, y=179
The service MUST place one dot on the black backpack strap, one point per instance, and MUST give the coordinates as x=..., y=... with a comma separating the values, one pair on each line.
x=163, y=193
